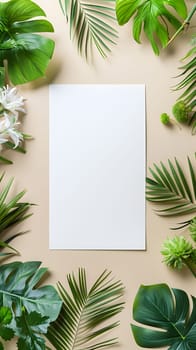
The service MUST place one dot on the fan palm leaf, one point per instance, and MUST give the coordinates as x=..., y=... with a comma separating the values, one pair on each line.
x=90, y=23
x=169, y=186
x=83, y=312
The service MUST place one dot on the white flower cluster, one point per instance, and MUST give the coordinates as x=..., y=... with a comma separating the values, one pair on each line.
x=10, y=106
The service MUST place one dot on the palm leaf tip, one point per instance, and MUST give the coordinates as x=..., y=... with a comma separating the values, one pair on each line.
x=91, y=24
x=84, y=310
x=169, y=185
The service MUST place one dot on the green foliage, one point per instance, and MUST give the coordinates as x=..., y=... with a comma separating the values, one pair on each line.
x=176, y=251
x=27, y=54
x=188, y=83
x=12, y=212
x=192, y=229
x=169, y=186
x=180, y=112
x=84, y=311
x=90, y=23
x=169, y=313
x=165, y=118
x=32, y=307
x=153, y=16
x=29, y=329
x=6, y=332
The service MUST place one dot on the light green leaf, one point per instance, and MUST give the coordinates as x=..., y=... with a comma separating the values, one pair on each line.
x=188, y=81
x=79, y=325
x=168, y=312
x=5, y=319
x=91, y=23
x=12, y=212
x=153, y=16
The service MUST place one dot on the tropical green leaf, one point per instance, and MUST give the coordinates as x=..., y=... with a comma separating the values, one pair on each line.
x=12, y=212
x=18, y=290
x=5, y=319
x=169, y=312
x=169, y=186
x=19, y=44
x=31, y=337
x=188, y=81
x=153, y=16
x=79, y=325
x=91, y=23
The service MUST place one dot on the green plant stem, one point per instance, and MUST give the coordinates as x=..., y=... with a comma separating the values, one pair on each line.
x=184, y=24
x=2, y=76
x=190, y=266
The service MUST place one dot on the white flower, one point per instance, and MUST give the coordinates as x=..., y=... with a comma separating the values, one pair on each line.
x=10, y=101
x=8, y=130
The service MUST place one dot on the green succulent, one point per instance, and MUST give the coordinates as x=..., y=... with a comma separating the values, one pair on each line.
x=176, y=251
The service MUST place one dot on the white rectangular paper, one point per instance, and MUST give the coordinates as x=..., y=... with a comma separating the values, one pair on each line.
x=97, y=167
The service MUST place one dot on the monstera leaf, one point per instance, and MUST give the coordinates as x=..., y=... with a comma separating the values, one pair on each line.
x=168, y=312
x=18, y=290
x=27, y=54
x=153, y=16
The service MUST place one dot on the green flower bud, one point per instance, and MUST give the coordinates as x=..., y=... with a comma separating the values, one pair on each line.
x=175, y=251
x=165, y=118
x=180, y=111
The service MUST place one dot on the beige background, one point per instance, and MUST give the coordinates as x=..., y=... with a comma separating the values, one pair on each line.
x=128, y=63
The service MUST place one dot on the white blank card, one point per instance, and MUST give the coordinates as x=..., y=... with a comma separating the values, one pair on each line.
x=97, y=167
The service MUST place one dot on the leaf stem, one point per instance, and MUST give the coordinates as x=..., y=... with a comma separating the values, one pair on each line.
x=184, y=24
x=190, y=266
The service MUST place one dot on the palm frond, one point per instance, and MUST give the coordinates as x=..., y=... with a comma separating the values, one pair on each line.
x=12, y=212
x=188, y=81
x=169, y=186
x=91, y=23
x=84, y=311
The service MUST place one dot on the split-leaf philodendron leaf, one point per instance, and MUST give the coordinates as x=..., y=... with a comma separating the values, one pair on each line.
x=153, y=16
x=169, y=312
x=26, y=53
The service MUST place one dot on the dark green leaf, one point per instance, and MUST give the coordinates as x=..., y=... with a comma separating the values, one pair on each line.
x=29, y=329
x=167, y=311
